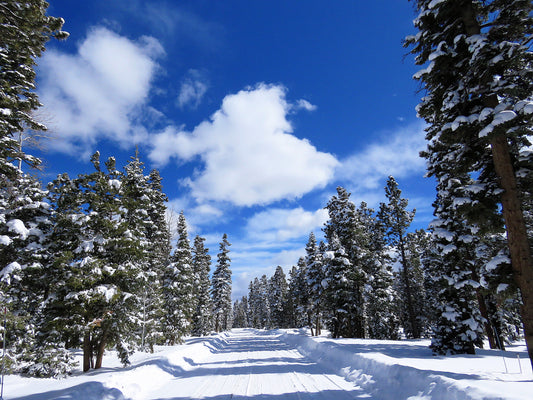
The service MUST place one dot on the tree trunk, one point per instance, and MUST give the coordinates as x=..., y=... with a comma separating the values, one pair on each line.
x=87, y=351
x=100, y=351
x=485, y=314
x=516, y=234
x=415, y=332
x=517, y=239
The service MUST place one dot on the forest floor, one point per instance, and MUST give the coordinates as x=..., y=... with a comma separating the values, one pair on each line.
x=289, y=364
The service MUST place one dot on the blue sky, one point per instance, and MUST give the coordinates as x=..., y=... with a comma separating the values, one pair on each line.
x=253, y=111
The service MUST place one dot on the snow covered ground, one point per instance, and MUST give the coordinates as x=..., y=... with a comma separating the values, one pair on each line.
x=276, y=365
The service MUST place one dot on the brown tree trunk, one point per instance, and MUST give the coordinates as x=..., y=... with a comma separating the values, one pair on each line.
x=415, y=331
x=87, y=351
x=516, y=234
x=100, y=351
x=517, y=239
x=485, y=314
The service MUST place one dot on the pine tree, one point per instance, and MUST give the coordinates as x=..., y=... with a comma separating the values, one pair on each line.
x=240, y=313
x=479, y=85
x=221, y=288
x=24, y=255
x=341, y=298
x=96, y=277
x=315, y=277
x=278, y=291
x=292, y=298
x=304, y=308
x=348, y=228
x=417, y=243
x=158, y=248
x=202, y=318
x=396, y=220
x=24, y=30
x=380, y=296
x=178, y=287
x=459, y=325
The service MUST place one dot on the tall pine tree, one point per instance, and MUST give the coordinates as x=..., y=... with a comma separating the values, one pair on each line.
x=479, y=83
x=221, y=288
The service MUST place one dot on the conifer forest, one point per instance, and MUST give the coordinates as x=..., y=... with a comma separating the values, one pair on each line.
x=96, y=261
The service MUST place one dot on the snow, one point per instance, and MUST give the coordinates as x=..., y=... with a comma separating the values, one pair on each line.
x=435, y=3
x=18, y=227
x=5, y=240
x=289, y=364
x=108, y=291
x=7, y=271
x=114, y=183
x=496, y=261
x=499, y=118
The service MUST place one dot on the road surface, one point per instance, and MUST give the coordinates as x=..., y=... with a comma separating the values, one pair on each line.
x=250, y=364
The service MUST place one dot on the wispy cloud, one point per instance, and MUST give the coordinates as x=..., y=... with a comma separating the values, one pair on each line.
x=279, y=225
x=98, y=92
x=396, y=153
x=248, y=152
x=192, y=89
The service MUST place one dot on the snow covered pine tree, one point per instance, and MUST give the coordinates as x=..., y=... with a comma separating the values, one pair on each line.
x=479, y=83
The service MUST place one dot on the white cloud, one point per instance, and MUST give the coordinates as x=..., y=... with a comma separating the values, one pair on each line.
x=284, y=224
x=97, y=92
x=305, y=105
x=397, y=155
x=249, y=154
x=192, y=90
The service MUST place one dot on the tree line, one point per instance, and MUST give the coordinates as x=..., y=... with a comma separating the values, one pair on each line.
x=373, y=278
x=89, y=264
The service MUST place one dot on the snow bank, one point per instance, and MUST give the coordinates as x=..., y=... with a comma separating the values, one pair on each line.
x=407, y=370
x=147, y=373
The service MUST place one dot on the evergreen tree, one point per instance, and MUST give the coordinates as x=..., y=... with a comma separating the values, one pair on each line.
x=255, y=303
x=379, y=293
x=158, y=248
x=479, y=85
x=24, y=256
x=347, y=226
x=315, y=277
x=396, y=220
x=304, y=308
x=417, y=243
x=340, y=281
x=24, y=30
x=178, y=287
x=292, y=298
x=221, y=288
x=240, y=313
x=459, y=325
x=278, y=298
x=202, y=318
x=96, y=279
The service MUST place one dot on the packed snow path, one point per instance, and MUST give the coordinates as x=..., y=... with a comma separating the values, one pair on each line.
x=247, y=364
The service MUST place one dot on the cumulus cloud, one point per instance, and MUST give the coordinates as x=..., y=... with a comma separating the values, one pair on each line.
x=248, y=152
x=397, y=155
x=192, y=90
x=97, y=92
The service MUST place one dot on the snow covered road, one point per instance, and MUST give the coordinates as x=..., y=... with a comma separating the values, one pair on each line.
x=247, y=364
x=241, y=364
